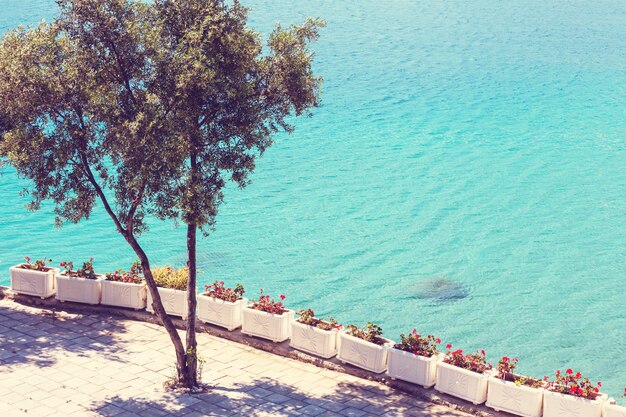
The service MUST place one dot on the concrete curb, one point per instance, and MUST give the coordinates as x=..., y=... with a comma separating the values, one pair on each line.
x=282, y=349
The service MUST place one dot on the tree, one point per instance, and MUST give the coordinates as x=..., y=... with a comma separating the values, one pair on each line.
x=149, y=108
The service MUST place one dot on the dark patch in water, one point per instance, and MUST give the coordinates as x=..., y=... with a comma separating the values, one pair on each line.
x=439, y=289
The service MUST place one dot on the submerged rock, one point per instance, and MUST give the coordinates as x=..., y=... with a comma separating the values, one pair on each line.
x=440, y=289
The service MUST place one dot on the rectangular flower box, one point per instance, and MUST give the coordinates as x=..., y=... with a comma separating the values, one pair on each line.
x=219, y=312
x=462, y=383
x=613, y=410
x=520, y=400
x=274, y=327
x=413, y=368
x=318, y=342
x=30, y=282
x=79, y=290
x=556, y=404
x=363, y=354
x=174, y=302
x=124, y=294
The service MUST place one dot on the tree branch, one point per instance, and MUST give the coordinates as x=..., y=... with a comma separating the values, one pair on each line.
x=134, y=206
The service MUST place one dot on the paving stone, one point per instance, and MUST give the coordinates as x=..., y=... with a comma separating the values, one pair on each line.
x=92, y=365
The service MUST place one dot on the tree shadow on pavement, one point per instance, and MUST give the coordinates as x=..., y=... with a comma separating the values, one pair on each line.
x=268, y=397
x=41, y=337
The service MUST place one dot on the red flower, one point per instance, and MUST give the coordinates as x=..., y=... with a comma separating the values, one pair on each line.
x=600, y=384
x=449, y=346
x=569, y=372
x=483, y=352
x=437, y=340
x=578, y=375
x=558, y=372
x=505, y=358
x=282, y=297
x=62, y=264
x=90, y=259
x=27, y=258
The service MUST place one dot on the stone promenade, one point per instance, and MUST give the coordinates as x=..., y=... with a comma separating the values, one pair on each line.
x=62, y=364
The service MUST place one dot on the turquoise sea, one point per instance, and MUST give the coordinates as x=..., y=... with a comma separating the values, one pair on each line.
x=466, y=175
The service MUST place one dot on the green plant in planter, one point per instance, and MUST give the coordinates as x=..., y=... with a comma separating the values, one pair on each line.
x=370, y=333
x=505, y=369
x=86, y=271
x=173, y=278
x=475, y=362
x=134, y=276
x=574, y=384
x=419, y=345
x=39, y=265
x=308, y=317
x=217, y=290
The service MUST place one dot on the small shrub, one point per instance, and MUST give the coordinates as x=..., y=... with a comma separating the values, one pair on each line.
x=308, y=317
x=370, y=333
x=173, y=278
x=475, y=362
x=39, y=265
x=574, y=384
x=217, y=290
x=86, y=271
x=416, y=344
x=265, y=303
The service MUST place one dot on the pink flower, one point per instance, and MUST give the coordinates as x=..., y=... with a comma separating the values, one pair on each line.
x=569, y=372
x=448, y=346
x=90, y=259
x=27, y=258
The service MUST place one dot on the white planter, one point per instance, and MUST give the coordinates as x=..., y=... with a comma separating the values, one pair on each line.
x=80, y=290
x=219, y=312
x=366, y=355
x=613, y=410
x=408, y=367
x=318, y=342
x=274, y=327
x=461, y=383
x=520, y=400
x=558, y=405
x=27, y=281
x=124, y=294
x=174, y=302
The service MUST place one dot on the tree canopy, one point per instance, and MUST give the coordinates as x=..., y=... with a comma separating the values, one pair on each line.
x=149, y=108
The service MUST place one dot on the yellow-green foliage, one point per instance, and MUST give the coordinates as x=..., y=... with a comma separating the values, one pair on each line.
x=168, y=277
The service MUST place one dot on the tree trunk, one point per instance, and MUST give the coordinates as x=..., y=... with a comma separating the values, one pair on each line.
x=157, y=305
x=191, y=376
x=191, y=370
